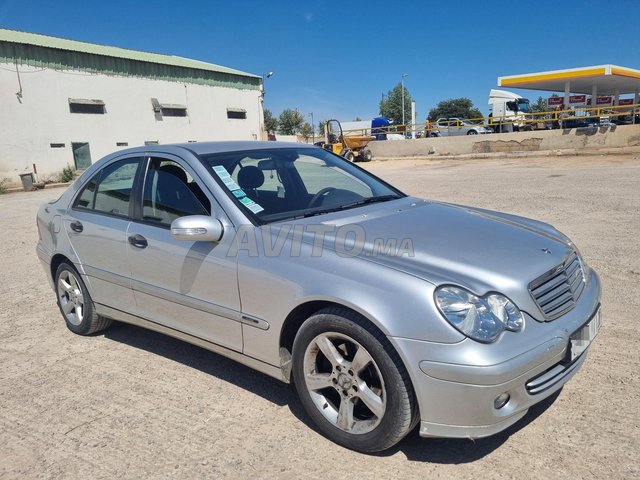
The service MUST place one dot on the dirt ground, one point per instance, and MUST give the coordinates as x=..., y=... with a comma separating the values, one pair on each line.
x=133, y=404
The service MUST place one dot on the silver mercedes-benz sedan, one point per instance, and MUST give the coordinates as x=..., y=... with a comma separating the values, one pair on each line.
x=385, y=311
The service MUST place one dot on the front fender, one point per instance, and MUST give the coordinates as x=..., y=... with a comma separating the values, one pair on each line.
x=399, y=304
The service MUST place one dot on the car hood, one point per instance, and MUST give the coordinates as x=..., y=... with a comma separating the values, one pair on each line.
x=443, y=243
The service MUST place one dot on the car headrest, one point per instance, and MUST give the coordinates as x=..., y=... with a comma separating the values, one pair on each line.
x=174, y=170
x=250, y=177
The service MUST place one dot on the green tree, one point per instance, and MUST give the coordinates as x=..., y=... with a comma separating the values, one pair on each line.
x=455, y=107
x=540, y=105
x=270, y=122
x=306, y=131
x=391, y=105
x=321, y=126
x=290, y=122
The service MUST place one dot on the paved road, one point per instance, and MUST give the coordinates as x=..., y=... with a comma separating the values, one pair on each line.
x=134, y=404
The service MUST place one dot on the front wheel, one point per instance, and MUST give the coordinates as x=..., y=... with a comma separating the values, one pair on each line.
x=76, y=304
x=366, y=155
x=472, y=132
x=351, y=381
x=349, y=155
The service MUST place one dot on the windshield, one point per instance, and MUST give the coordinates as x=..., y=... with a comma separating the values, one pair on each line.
x=523, y=105
x=283, y=183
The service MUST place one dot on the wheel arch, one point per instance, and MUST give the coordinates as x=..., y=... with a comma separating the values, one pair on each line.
x=56, y=260
x=297, y=317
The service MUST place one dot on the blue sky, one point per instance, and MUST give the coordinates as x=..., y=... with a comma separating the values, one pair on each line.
x=335, y=59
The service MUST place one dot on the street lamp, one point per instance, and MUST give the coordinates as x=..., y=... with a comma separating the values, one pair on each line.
x=265, y=75
x=261, y=105
x=313, y=128
x=402, y=84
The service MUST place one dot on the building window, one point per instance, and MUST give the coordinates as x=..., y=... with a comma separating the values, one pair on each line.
x=171, y=110
x=56, y=145
x=83, y=105
x=237, y=113
x=168, y=109
x=122, y=144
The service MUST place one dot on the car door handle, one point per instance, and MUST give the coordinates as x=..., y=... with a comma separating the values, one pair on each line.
x=138, y=241
x=76, y=226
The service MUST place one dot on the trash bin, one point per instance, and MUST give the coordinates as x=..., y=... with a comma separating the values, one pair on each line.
x=27, y=181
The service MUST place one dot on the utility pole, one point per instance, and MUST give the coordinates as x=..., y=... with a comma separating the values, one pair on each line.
x=313, y=128
x=404, y=75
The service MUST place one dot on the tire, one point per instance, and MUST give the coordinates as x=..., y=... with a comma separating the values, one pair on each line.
x=472, y=132
x=349, y=155
x=352, y=382
x=366, y=155
x=75, y=302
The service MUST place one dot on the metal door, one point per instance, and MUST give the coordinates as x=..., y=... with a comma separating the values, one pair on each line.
x=81, y=155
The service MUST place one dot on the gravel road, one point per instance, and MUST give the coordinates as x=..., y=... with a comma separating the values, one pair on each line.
x=132, y=403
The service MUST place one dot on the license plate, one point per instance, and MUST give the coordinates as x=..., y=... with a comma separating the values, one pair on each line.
x=580, y=340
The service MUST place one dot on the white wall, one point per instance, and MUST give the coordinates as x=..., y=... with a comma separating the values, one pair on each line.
x=42, y=117
x=579, y=139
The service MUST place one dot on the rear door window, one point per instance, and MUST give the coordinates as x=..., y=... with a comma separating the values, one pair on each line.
x=109, y=191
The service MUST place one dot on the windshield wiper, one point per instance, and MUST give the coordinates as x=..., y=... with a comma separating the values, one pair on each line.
x=365, y=201
x=346, y=206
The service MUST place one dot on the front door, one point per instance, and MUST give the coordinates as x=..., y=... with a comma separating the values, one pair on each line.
x=81, y=155
x=189, y=286
x=455, y=127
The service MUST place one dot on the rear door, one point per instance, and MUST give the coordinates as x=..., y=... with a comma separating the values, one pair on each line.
x=189, y=286
x=97, y=225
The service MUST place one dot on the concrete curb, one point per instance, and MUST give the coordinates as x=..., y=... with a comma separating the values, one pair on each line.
x=47, y=186
x=497, y=155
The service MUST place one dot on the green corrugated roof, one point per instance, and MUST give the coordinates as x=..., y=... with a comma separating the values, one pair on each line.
x=46, y=41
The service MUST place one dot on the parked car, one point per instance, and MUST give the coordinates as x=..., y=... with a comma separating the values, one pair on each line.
x=386, y=311
x=448, y=127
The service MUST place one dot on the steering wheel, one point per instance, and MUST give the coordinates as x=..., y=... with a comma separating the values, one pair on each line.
x=315, y=201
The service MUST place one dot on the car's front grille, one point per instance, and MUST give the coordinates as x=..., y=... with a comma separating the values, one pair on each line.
x=557, y=291
x=551, y=377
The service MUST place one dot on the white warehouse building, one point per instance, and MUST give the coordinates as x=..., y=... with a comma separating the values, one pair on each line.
x=65, y=102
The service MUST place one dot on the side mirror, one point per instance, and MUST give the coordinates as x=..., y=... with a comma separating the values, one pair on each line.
x=197, y=228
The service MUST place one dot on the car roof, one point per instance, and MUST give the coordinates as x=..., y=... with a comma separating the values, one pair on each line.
x=205, y=148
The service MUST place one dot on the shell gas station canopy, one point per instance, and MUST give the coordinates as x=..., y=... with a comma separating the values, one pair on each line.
x=595, y=81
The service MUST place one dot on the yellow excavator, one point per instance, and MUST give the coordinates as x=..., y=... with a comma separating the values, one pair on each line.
x=351, y=147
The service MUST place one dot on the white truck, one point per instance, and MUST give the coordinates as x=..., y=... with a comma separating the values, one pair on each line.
x=508, y=111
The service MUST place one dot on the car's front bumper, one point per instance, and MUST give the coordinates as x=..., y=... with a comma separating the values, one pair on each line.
x=456, y=384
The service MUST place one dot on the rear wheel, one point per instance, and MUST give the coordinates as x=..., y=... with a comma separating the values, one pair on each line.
x=76, y=304
x=351, y=381
x=472, y=132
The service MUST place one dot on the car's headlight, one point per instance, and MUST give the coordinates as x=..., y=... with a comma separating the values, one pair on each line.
x=480, y=318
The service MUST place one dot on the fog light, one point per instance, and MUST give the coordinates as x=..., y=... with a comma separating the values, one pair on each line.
x=501, y=400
